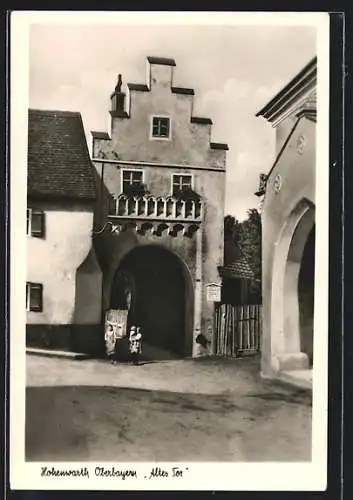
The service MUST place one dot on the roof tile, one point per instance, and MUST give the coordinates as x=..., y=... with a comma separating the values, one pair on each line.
x=59, y=166
x=239, y=268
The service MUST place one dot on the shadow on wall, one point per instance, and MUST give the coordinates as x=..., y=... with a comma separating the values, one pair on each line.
x=105, y=202
x=306, y=291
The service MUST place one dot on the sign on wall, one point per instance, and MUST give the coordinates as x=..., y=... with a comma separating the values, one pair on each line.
x=117, y=318
x=213, y=292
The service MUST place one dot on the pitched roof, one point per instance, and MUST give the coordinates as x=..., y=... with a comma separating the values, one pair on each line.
x=239, y=268
x=303, y=82
x=59, y=166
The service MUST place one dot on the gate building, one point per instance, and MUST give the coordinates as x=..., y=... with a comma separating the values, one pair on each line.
x=158, y=226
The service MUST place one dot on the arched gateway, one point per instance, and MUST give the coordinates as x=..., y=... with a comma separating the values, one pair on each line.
x=161, y=299
x=293, y=289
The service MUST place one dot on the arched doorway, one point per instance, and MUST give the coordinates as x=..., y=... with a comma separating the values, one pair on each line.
x=161, y=293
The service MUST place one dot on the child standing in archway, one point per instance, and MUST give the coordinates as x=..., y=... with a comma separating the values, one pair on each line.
x=110, y=338
x=135, y=344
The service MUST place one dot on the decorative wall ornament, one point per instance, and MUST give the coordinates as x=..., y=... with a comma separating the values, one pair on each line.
x=116, y=228
x=277, y=183
x=301, y=144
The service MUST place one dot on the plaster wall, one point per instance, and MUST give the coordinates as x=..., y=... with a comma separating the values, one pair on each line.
x=283, y=211
x=54, y=260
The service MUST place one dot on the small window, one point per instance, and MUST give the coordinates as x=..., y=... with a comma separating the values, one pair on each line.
x=160, y=127
x=132, y=179
x=34, y=297
x=35, y=223
x=181, y=183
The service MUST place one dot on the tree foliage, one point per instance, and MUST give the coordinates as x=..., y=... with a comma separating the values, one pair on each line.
x=244, y=239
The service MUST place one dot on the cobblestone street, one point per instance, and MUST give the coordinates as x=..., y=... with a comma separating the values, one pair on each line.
x=186, y=410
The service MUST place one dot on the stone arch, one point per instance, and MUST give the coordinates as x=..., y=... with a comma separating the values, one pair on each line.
x=286, y=338
x=162, y=301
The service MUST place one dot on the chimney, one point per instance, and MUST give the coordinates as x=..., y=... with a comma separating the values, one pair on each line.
x=118, y=99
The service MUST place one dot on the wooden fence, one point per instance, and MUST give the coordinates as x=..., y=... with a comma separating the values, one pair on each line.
x=238, y=329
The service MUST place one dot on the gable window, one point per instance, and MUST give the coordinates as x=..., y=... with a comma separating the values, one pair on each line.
x=161, y=127
x=132, y=179
x=34, y=297
x=181, y=183
x=35, y=223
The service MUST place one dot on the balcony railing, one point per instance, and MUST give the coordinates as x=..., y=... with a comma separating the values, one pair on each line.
x=163, y=208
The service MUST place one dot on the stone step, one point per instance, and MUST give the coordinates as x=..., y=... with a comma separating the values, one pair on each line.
x=299, y=378
x=53, y=353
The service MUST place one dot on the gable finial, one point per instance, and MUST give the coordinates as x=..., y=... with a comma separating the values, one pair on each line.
x=119, y=83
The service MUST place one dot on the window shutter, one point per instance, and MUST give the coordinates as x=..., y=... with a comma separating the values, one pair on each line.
x=37, y=224
x=36, y=297
x=155, y=127
x=164, y=127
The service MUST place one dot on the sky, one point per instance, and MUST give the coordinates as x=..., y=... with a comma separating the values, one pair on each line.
x=234, y=70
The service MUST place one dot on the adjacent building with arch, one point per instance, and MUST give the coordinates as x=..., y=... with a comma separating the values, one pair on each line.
x=158, y=229
x=288, y=232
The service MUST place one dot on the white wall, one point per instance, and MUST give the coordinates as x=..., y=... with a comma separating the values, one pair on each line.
x=53, y=261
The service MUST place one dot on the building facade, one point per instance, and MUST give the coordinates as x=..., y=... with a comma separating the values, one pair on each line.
x=288, y=229
x=159, y=215
x=63, y=276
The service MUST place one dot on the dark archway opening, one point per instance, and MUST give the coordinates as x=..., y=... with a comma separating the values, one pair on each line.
x=306, y=288
x=159, y=291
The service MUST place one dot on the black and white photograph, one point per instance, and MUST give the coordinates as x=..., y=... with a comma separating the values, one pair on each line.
x=169, y=179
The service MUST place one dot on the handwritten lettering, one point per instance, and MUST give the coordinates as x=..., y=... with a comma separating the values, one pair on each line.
x=54, y=472
x=113, y=472
x=158, y=472
x=177, y=472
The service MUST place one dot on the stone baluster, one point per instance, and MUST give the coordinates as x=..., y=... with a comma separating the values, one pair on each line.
x=159, y=204
x=150, y=206
x=198, y=209
x=145, y=211
x=169, y=207
x=183, y=209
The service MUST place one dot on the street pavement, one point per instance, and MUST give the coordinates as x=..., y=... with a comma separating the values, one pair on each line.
x=176, y=410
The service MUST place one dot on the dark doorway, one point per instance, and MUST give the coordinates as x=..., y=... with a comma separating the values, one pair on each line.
x=158, y=301
x=306, y=288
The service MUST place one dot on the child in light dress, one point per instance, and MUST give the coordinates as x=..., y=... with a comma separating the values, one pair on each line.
x=135, y=344
x=110, y=338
